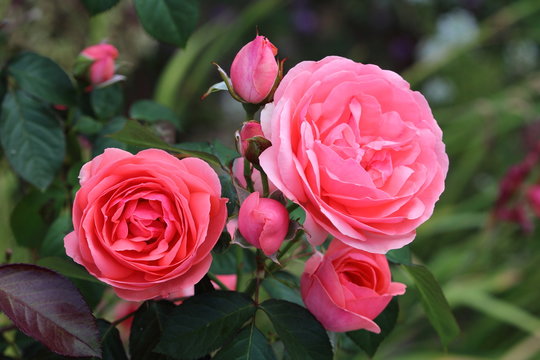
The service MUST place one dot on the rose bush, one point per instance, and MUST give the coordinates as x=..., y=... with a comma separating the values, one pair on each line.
x=357, y=149
x=347, y=288
x=145, y=224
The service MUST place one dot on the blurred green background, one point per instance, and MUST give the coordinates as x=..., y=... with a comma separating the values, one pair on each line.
x=476, y=61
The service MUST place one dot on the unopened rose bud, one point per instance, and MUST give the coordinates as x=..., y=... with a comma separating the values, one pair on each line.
x=249, y=129
x=251, y=141
x=263, y=223
x=97, y=62
x=254, y=70
x=533, y=196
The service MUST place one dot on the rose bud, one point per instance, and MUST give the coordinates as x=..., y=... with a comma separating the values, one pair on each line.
x=251, y=141
x=533, y=196
x=97, y=63
x=347, y=288
x=254, y=70
x=249, y=130
x=263, y=223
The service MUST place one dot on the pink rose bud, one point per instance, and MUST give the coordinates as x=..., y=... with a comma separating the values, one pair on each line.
x=251, y=141
x=534, y=199
x=254, y=70
x=103, y=66
x=263, y=223
x=347, y=288
x=249, y=130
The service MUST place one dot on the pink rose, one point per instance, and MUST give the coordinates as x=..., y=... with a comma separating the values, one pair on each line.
x=263, y=223
x=145, y=224
x=357, y=149
x=103, y=66
x=254, y=70
x=347, y=288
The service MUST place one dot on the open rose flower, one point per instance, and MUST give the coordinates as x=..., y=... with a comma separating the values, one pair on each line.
x=145, y=224
x=357, y=149
x=347, y=288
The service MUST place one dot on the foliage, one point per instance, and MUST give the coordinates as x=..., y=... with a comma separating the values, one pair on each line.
x=484, y=92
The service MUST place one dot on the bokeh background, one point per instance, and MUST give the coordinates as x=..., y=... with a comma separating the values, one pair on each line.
x=477, y=63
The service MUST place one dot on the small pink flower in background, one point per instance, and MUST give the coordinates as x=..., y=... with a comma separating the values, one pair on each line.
x=238, y=174
x=145, y=224
x=533, y=196
x=254, y=70
x=229, y=280
x=347, y=288
x=124, y=308
x=103, y=66
x=357, y=149
x=263, y=223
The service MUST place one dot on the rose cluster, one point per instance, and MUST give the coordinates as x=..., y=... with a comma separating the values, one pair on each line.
x=350, y=144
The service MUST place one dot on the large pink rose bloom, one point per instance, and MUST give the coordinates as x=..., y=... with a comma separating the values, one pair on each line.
x=357, y=149
x=347, y=288
x=145, y=224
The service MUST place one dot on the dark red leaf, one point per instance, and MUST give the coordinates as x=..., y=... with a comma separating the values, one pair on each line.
x=49, y=308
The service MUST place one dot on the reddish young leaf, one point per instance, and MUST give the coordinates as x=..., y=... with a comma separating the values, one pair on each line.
x=48, y=307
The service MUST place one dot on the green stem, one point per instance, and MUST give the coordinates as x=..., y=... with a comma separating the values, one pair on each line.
x=116, y=322
x=215, y=279
x=264, y=180
x=247, y=175
x=239, y=266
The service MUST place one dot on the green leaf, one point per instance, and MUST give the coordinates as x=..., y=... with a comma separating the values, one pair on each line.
x=87, y=125
x=204, y=323
x=249, y=344
x=224, y=153
x=53, y=243
x=435, y=304
x=400, y=256
x=67, y=268
x=147, y=328
x=42, y=77
x=32, y=214
x=95, y=7
x=107, y=101
x=283, y=285
x=32, y=138
x=150, y=111
x=136, y=134
x=170, y=21
x=303, y=336
x=48, y=307
x=220, y=86
x=104, y=140
x=225, y=262
x=111, y=344
x=368, y=341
